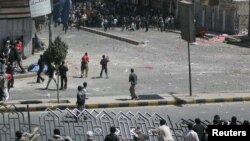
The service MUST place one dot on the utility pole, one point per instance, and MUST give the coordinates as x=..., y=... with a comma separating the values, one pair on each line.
x=188, y=31
x=50, y=41
x=50, y=32
x=50, y=21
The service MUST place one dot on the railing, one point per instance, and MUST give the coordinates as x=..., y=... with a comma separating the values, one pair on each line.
x=75, y=124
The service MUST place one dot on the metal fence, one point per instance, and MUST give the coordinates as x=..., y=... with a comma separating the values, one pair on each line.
x=76, y=126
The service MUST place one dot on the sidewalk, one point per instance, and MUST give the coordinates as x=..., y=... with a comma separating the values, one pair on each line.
x=124, y=101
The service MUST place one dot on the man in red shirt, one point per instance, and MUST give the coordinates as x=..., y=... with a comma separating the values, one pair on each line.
x=84, y=65
x=19, y=46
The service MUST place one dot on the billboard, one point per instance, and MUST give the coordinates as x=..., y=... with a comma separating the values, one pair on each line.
x=187, y=21
x=39, y=7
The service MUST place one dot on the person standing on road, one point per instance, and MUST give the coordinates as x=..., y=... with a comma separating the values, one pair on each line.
x=63, y=73
x=190, y=135
x=146, y=22
x=133, y=81
x=51, y=73
x=104, y=64
x=84, y=65
x=81, y=97
x=163, y=132
x=65, y=27
x=41, y=67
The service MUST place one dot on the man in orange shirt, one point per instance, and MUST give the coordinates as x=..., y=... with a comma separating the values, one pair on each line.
x=84, y=65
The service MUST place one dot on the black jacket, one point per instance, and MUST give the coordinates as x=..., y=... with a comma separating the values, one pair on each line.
x=111, y=137
x=104, y=62
x=51, y=70
x=63, y=70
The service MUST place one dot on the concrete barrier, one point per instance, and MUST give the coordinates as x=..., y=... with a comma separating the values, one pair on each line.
x=134, y=42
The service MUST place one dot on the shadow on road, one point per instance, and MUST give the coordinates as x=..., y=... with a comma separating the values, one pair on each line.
x=32, y=83
x=76, y=77
x=45, y=89
x=123, y=99
x=96, y=77
x=179, y=102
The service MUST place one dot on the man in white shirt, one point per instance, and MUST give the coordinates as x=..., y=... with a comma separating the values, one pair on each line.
x=190, y=135
x=163, y=132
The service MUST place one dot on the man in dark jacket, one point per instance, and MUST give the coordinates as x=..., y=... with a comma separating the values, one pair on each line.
x=14, y=56
x=80, y=99
x=51, y=71
x=104, y=64
x=112, y=136
x=41, y=67
x=63, y=73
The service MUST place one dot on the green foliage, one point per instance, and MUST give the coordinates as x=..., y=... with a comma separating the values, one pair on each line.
x=56, y=52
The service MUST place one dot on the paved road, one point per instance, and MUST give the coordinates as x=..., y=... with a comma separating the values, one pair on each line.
x=203, y=111
x=161, y=65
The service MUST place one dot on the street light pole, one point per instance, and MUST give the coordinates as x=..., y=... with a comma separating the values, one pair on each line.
x=50, y=21
x=189, y=70
x=189, y=60
x=50, y=32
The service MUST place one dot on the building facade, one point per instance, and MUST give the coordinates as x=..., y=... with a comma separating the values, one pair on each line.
x=15, y=21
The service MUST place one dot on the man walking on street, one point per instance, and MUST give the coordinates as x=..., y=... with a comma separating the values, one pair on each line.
x=51, y=71
x=104, y=63
x=80, y=98
x=63, y=73
x=84, y=65
x=41, y=67
x=133, y=81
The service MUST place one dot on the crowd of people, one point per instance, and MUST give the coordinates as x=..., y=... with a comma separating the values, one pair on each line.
x=195, y=132
x=199, y=131
x=114, y=14
x=11, y=55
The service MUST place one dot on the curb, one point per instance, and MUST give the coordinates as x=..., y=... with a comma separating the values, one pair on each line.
x=134, y=42
x=125, y=104
x=174, y=31
x=25, y=75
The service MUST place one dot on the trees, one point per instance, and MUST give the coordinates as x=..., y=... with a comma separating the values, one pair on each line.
x=56, y=52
